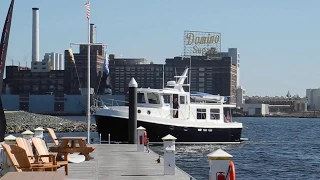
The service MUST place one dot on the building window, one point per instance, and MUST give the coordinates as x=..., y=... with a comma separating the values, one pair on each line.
x=141, y=98
x=201, y=113
x=214, y=114
x=153, y=98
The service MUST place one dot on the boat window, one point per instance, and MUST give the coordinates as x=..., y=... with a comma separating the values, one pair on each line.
x=214, y=114
x=201, y=114
x=153, y=98
x=166, y=98
x=182, y=100
x=141, y=98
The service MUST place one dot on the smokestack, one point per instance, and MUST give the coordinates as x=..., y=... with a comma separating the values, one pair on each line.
x=91, y=33
x=35, y=34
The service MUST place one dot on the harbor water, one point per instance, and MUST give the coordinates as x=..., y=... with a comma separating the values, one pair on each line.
x=278, y=148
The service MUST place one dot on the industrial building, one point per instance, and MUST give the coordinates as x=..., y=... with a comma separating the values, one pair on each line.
x=313, y=99
x=262, y=106
x=210, y=76
x=235, y=57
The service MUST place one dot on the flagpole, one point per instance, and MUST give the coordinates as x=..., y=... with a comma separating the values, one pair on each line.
x=88, y=79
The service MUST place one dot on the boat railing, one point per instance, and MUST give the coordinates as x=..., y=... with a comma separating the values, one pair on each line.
x=98, y=102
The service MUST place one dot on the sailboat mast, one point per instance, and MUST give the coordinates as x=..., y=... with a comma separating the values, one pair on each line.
x=3, y=53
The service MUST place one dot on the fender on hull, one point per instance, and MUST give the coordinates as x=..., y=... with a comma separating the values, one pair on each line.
x=118, y=130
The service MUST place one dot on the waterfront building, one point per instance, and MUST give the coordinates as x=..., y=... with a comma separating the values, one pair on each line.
x=76, y=74
x=235, y=57
x=210, y=76
x=26, y=81
x=313, y=99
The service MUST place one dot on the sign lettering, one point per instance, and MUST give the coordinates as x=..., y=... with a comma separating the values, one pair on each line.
x=201, y=43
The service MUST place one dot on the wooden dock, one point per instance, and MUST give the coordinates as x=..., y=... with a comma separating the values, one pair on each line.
x=121, y=161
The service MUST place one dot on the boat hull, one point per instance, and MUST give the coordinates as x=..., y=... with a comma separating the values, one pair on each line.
x=118, y=130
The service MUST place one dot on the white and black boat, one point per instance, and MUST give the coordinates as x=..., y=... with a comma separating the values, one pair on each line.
x=197, y=122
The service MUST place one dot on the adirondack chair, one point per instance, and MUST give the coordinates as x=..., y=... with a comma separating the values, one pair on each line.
x=42, y=150
x=20, y=160
x=23, y=143
x=53, y=136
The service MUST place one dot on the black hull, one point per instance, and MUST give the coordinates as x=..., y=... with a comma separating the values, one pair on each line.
x=118, y=130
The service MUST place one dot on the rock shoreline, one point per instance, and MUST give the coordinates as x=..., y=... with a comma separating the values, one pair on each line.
x=19, y=121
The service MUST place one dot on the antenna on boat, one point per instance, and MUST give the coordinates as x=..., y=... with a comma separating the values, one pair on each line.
x=163, y=76
x=175, y=74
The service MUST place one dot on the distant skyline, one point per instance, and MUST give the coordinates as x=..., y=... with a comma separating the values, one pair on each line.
x=277, y=40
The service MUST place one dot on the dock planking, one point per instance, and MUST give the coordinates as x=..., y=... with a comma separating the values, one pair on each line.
x=121, y=161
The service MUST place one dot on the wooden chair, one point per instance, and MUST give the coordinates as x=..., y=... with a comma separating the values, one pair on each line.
x=20, y=161
x=24, y=163
x=53, y=136
x=42, y=150
x=23, y=143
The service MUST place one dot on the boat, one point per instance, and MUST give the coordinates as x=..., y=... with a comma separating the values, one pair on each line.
x=196, y=122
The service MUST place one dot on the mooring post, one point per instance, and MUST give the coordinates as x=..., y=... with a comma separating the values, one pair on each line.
x=132, y=122
x=27, y=135
x=10, y=140
x=141, y=140
x=38, y=132
x=169, y=154
x=219, y=164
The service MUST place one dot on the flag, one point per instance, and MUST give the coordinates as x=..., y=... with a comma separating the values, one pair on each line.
x=71, y=55
x=87, y=5
x=106, y=65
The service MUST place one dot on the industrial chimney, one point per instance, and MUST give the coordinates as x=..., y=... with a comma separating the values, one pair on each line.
x=92, y=33
x=35, y=34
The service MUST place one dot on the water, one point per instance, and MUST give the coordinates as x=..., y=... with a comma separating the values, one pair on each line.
x=278, y=148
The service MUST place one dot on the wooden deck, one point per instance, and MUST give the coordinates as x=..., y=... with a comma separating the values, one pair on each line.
x=34, y=176
x=121, y=161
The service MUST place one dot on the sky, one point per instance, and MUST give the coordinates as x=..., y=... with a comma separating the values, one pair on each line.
x=277, y=40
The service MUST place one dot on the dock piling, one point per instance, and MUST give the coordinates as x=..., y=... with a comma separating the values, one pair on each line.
x=10, y=140
x=27, y=134
x=38, y=132
x=219, y=164
x=132, y=124
x=140, y=145
x=169, y=154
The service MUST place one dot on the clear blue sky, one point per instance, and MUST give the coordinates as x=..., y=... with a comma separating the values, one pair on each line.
x=277, y=40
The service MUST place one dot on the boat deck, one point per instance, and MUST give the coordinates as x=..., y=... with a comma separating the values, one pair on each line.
x=121, y=161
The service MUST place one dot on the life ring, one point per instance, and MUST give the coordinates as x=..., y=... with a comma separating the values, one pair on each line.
x=145, y=138
x=232, y=171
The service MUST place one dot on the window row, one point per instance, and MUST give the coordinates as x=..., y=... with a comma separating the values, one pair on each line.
x=214, y=114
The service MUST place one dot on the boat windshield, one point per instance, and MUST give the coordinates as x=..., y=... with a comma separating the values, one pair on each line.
x=153, y=98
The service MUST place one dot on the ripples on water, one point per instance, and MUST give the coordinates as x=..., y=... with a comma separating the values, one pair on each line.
x=278, y=148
